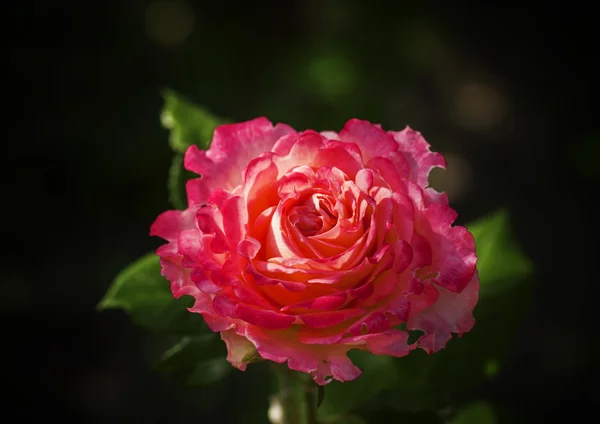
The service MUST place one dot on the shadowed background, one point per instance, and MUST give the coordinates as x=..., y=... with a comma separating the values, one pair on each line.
x=503, y=92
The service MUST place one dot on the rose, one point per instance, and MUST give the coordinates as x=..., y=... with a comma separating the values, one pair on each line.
x=299, y=246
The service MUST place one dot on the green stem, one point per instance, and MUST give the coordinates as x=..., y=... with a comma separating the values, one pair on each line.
x=310, y=401
x=289, y=403
x=297, y=396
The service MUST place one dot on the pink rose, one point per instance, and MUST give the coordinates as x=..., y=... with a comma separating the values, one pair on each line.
x=299, y=246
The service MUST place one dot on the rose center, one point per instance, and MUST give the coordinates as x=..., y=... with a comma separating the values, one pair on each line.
x=307, y=220
x=313, y=215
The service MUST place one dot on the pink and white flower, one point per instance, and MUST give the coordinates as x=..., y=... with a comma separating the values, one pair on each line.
x=299, y=246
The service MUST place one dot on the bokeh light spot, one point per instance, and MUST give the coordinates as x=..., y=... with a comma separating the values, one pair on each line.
x=455, y=180
x=478, y=106
x=275, y=411
x=491, y=367
x=332, y=76
x=169, y=23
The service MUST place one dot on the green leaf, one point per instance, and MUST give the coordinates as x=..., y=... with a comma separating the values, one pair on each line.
x=145, y=294
x=500, y=258
x=178, y=176
x=475, y=413
x=176, y=183
x=341, y=398
x=189, y=124
x=198, y=360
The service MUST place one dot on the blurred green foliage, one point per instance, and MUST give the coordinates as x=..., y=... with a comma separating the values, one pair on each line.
x=475, y=413
x=141, y=291
x=499, y=257
x=188, y=123
x=196, y=360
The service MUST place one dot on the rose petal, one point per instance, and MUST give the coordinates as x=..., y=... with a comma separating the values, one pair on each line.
x=239, y=349
x=259, y=192
x=210, y=221
x=416, y=151
x=198, y=190
x=391, y=342
x=434, y=196
x=281, y=294
x=283, y=146
x=404, y=216
x=423, y=298
x=373, y=322
x=451, y=313
x=233, y=146
x=203, y=304
x=248, y=293
x=330, y=318
x=342, y=369
x=394, y=169
x=339, y=156
x=235, y=218
x=293, y=182
x=218, y=197
x=204, y=282
x=453, y=248
x=269, y=320
x=324, y=336
x=224, y=306
x=351, y=148
x=178, y=277
x=322, y=362
x=303, y=152
x=277, y=243
x=331, y=135
x=322, y=303
x=189, y=244
x=372, y=140
x=364, y=180
x=169, y=224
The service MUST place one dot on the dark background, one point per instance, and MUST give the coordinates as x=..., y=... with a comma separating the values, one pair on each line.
x=505, y=92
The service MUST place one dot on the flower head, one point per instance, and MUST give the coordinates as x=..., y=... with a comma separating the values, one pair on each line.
x=300, y=246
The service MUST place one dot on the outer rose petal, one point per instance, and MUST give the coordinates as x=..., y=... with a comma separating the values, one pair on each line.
x=203, y=305
x=372, y=140
x=416, y=150
x=322, y=362
x=390, y=342
x=451, y=313
x=331, y=135
x=198, y=190
x=240, y=350
x=453, y=248
x=169, y=224
x=233, y=146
